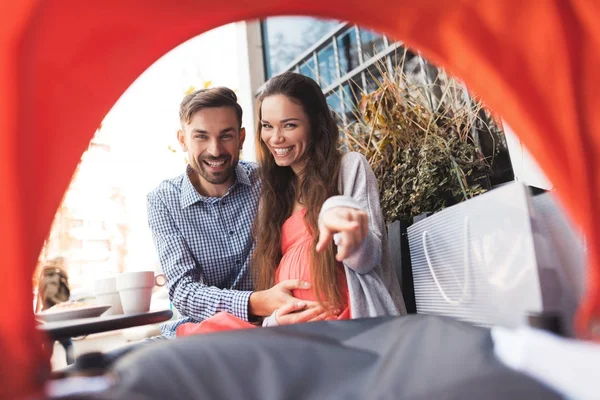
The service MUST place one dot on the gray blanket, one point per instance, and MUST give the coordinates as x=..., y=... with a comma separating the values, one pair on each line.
x=412, y=357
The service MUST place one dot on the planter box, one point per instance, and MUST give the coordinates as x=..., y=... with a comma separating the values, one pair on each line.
x=400, y=256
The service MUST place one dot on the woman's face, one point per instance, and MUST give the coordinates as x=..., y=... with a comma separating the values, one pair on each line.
x=285, y=130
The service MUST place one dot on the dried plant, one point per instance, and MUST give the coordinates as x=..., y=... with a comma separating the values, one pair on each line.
x=419, y=136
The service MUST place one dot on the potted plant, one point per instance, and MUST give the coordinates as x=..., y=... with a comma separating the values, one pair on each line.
x=421, y=136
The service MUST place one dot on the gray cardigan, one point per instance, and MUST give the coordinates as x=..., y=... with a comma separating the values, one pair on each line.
x=372, y=281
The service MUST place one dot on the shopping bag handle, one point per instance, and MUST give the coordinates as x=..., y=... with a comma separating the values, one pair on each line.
x=465, y=272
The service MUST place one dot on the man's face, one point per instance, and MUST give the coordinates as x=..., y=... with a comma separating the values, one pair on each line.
x=213, y=141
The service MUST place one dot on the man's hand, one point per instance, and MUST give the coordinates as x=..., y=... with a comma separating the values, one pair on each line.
x=350, y=224
x=265, y=302
x=303, y=311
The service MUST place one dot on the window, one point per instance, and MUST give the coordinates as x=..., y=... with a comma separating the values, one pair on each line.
x=373, y=78
x=335, y=103
x=308, y=68
x=75, y=223
x=371, y=42
x=286, y=38
x=350, y=96
x=348, y=50
x=327, y=70
x=411, y=61
x=76, y=244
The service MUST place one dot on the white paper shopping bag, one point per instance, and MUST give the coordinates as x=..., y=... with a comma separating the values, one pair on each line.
x=490, y=259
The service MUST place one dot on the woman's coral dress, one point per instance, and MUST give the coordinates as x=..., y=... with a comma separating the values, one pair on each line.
x=296, y=243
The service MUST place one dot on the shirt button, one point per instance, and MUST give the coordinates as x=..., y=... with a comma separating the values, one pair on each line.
x=231, y=232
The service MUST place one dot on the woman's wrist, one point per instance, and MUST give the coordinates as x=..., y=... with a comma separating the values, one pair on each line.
x=271, y=320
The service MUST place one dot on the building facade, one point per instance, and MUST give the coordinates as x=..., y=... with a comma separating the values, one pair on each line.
x=343, y=58
x=346, y=60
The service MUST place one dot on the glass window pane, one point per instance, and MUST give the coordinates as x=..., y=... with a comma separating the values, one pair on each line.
x=411, y=64
x=335, y=103
x=327, y=70
x=286, y=38
x=308, y=68
x=374, y=79
x=351, y=95
x=348, y=50
x=371, y=42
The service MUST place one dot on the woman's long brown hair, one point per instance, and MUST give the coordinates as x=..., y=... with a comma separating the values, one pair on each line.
x=318, y=182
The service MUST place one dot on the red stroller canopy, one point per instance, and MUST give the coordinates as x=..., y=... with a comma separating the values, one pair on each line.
x=63, y=64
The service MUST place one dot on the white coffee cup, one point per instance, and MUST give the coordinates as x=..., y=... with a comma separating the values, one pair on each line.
x=135, y=290
x=106, y=293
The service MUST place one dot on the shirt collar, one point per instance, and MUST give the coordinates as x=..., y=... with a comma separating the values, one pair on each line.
x=241, y=175
x=189, y=194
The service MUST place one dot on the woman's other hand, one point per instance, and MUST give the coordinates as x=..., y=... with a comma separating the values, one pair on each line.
x=303, y=311
x=349, y=225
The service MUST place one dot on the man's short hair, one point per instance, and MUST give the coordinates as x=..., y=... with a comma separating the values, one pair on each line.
x=208, y=98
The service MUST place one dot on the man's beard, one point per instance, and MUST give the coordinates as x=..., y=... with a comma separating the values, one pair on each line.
x=216, y=178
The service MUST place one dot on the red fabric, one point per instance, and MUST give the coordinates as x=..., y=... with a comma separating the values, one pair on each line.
x=220, y=322
x=64, y=63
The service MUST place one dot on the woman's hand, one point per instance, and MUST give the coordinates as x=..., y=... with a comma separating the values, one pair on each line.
x=350, y=226
x=265, y=302
x=303, y=311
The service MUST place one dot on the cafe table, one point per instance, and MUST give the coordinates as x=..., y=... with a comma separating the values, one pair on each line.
x=61, y=330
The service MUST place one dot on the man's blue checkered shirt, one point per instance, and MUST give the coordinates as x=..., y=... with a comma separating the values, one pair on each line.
x=204, y=245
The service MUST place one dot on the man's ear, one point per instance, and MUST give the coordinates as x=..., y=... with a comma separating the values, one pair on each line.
x=242, y=137
x=181, y=139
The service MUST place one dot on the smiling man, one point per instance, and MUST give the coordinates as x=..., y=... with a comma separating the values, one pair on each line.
x=201, y=221
x=212, y=136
